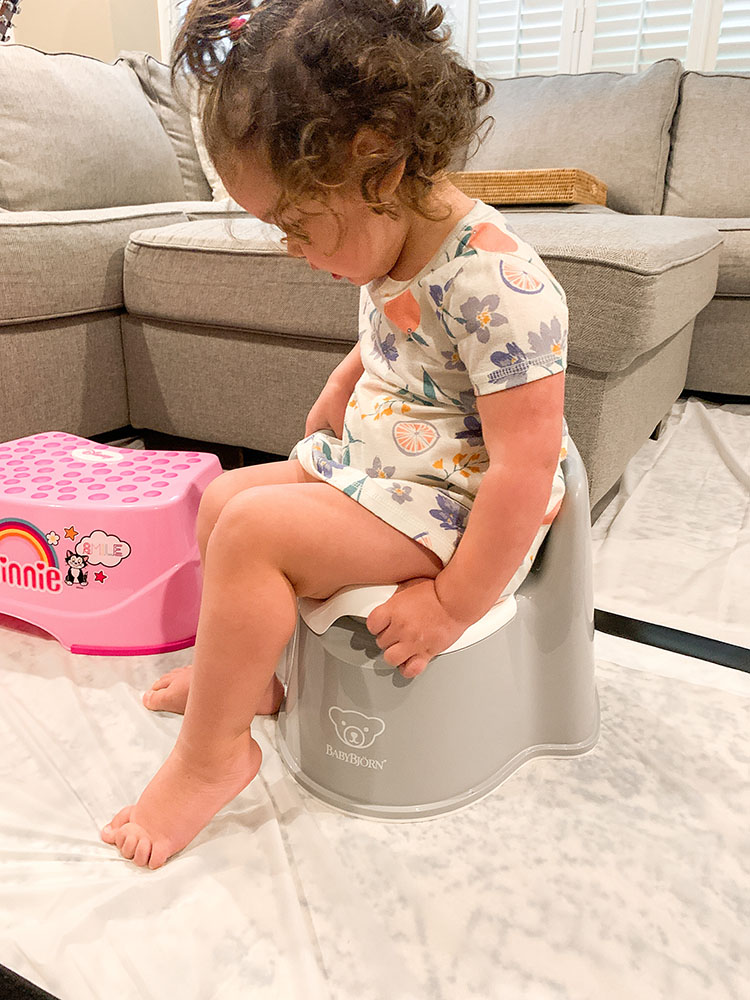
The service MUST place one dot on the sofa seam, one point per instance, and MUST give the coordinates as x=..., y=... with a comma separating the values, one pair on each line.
x=82, y=222
x=134, y=246
x=81, y=55
x=710, y=74
x=24, y=320
x=633, y=270
x=241, y=332
x=675, y=104
x=593, y=72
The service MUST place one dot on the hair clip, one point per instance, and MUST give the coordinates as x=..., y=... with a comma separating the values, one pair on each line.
x=236, y=25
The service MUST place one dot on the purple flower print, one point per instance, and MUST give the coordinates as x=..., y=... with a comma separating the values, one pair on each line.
x=452, y=515
x=327, y=465
x=437, y=292
x=385, y=349
x=512, y=366
x=512, y=356
x=473, y=433
x=467, y=401
x=378, y=471
x=323, y=461
x=401, y=493
x=479, y=316
x=454, y=362
x=550, y=340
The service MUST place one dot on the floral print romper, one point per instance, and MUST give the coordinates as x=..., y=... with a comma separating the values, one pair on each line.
x=483, y=315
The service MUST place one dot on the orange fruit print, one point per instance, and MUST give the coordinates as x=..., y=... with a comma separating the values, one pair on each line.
x=520, y=280
x=413, y=436
x=403, y=311
x=485, y=236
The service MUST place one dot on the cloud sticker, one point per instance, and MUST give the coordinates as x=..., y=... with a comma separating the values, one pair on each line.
x=103, y=549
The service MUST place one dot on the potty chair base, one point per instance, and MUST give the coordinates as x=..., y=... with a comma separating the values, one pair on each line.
x=518, y=684
x=362, y=738
x=360, y=771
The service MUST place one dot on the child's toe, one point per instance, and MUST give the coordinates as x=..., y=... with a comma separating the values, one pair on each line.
x=130, y=841
x=109, y=832
x=142, y=854
x=157, y=700
x=159, y=854
x=164, y=681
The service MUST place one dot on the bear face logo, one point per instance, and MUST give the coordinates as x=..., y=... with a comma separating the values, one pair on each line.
x=355, y=729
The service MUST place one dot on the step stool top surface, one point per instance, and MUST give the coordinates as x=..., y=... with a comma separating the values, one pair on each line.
x=62, y=468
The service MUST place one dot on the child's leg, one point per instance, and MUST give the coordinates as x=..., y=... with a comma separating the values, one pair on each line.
x=170, y=692
x=269, y=545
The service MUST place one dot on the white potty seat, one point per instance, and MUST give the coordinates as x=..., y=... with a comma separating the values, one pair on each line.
x=359, y=602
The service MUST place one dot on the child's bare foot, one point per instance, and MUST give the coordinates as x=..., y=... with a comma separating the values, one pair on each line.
x=179, y=801
x=170, y=692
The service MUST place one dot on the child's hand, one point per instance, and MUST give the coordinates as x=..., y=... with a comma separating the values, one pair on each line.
x=328, y=410
x=413, y=626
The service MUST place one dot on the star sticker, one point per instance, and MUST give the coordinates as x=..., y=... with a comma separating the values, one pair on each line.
x=100, y=577
x=52, y=537
x=71, y=532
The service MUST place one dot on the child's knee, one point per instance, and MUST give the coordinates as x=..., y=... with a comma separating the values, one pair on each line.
x=213, y=501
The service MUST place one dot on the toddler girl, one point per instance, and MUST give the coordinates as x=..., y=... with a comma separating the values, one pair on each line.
x=336, y=120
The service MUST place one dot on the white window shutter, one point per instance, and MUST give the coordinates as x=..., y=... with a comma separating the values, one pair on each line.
x=519, y=37
x=630, y=35
x=733, y=45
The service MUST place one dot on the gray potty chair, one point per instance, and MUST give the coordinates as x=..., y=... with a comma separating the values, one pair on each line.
x=518, y=684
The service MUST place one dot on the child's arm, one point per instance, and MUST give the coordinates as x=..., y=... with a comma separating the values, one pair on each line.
x=522, y=430
x=347, y=373
x=329, y=408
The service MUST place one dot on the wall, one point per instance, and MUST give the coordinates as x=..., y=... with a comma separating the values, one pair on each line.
x=98, y=28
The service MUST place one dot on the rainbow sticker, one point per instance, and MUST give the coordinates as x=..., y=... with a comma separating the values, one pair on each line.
x=15, y=527
x=41, y=575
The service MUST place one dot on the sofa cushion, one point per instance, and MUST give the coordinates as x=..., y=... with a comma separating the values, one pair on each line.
x=734, y=260
x=65, y=263
x=631, y=283
x=172, y=107
x=79, y=133
x=708, y=168
x=734, y=253
x=614, y=125
x=234, y=272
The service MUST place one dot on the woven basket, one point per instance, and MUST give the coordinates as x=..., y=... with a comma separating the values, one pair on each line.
x=512, y=187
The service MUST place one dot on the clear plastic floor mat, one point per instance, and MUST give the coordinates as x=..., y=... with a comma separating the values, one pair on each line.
x=624, y=873
x=673, y=547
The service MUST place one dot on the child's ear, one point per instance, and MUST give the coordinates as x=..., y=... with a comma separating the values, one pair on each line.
x=368, y=142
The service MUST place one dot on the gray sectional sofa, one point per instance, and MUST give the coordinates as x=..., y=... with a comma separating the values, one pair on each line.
x=129, y=298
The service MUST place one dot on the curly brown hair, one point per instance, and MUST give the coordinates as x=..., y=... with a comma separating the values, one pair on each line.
x=303, y=76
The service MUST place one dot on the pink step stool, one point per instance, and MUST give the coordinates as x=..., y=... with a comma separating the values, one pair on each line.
x=97, y=544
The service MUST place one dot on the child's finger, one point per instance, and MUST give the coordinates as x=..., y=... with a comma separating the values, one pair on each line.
x=413, y=666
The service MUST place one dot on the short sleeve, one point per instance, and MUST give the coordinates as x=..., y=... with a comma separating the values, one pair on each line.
x=507, y=317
